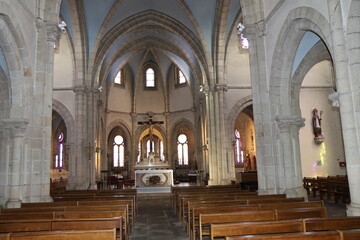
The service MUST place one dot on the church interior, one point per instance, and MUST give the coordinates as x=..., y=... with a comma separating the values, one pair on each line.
x=138, y=99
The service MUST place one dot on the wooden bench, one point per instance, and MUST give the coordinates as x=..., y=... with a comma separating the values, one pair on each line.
x=230, y=196
x=331, y=235
x=327, y=235
x=130, y=202
x=271, y=215
x=284, y=226
x=197, y=210
x=69, y=215
x=259, y=200
x=222, y=230
x=63, y=224
x=66, y=235
x=218, y=194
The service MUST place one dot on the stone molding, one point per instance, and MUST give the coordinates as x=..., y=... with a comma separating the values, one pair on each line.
x=221, y=88
x=286, y=122
x=52, y=33
x=16, y=127
x=334, y=98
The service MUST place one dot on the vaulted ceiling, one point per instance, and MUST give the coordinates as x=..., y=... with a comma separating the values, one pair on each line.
x=114, y=33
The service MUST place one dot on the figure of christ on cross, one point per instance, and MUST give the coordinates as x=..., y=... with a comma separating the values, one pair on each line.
x=151, y=123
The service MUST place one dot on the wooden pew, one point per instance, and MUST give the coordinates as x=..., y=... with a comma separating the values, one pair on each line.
x=196, y=211
x=214, y=203
x=338, y=223
x=5, y=236
x=66, y=235
x=69, y=209
x=63, y=224
x=327, y=235
x=69, y=215
x=222, y=230
x=175, y=190
x=130, y=202
x=270, y=215
x=331, y=235
x=225, y=191
x=213, y=197
x=287, y=226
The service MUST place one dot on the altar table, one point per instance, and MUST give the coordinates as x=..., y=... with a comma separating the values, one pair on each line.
x=154, y=178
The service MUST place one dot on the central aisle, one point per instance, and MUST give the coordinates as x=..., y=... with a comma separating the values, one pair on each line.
x=155, y=219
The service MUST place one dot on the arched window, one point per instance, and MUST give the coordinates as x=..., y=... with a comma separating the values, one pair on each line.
x=119, y=79
x=118, y=151
x=183, y=150
x=162, y=157
x=239, y=154
x=149, y=147
x=150, y=78
x=59, y=157
x=179, y=77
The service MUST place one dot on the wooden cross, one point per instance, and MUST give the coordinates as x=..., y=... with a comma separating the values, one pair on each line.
x=150, y=123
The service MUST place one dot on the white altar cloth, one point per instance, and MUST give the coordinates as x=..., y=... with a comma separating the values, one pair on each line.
x=154, y=178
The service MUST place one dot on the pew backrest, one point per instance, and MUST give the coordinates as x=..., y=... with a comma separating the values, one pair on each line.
x=66, y=235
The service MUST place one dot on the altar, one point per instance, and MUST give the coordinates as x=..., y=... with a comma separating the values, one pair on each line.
x=154, y=178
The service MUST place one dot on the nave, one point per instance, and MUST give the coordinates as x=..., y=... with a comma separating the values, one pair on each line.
x=156, y=220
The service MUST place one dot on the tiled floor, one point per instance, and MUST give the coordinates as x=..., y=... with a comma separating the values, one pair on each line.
x=155, y=219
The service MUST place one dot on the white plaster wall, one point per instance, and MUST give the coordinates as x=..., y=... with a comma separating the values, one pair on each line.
x=274, y=25
x=233, y=96
x=180, y=98
x=64, y=75
x=63, y=65
x=67, y=98
x=119, y=98
x=323, y=159
x=150, y=100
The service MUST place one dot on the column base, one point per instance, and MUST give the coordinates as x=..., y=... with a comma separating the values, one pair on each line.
x=13, y=203
x=46, y=199
x=353, y=210
x=296, y=192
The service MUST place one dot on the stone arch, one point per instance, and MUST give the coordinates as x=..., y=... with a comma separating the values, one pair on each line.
x=181, y=173
x=11, y=44
x=317, y=54
x=71, y=140
x=299, y=21
x=234, y=112
x=285, y=112
x=4, y=95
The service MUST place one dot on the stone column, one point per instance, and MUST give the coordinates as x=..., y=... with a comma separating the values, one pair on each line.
x=167, y=144
x=135, y=147
x=16, y=130
x=226, y=166
x=288, y=170
x=347, y=93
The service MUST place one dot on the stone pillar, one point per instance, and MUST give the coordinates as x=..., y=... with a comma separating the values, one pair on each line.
x=135, y=145
x=288, y=170
x=16, y=130
x=347, y=91
x=261, y=105
x=167, y=144
x=226, y=166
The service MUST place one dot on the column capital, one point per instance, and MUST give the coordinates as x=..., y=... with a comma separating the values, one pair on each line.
x=334, y=98
x=220, y=87
x=16, y=126
x=286, y=122
x=52, y=32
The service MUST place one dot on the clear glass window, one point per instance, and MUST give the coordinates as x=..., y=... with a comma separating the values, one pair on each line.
x=118, y=151
x=150, y=78
x=183, y=150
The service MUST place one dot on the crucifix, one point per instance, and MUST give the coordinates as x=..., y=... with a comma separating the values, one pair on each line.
x=150, y=123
